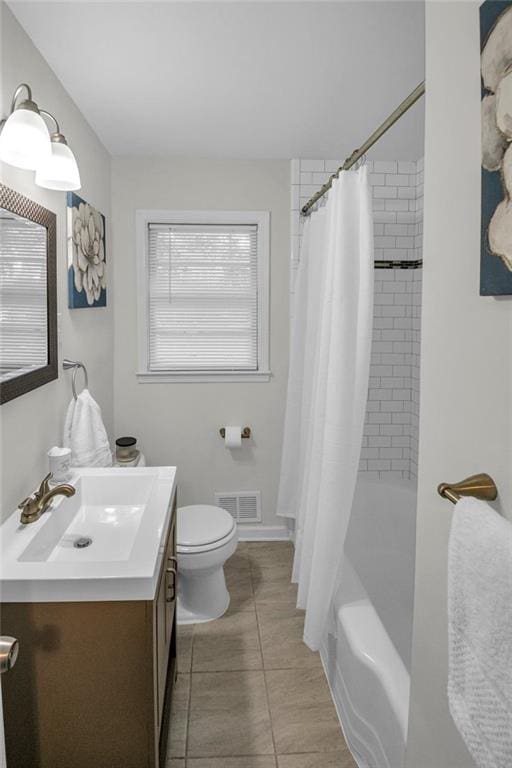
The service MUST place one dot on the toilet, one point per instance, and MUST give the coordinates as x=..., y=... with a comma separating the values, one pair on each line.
x=206, y=537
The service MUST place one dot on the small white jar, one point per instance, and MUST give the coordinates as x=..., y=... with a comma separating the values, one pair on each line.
x=59, y=463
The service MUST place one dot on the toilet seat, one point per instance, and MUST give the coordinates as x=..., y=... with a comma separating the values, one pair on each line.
x=203, y=528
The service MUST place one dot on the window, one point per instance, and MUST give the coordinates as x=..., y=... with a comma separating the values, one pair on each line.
x=203, y=306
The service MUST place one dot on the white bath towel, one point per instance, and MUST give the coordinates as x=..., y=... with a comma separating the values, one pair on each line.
x=480, y=631
x=85, y=433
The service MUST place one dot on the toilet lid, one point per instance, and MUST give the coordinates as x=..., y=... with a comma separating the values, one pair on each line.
x=200, y=524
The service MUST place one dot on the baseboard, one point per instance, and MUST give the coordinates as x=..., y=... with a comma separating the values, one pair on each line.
x=263, y=533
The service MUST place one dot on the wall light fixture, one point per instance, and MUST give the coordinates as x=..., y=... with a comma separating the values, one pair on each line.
x=25, y=142
x=59, y=170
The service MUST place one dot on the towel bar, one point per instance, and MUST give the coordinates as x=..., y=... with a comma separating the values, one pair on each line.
x=75, y=365
x=481, y=486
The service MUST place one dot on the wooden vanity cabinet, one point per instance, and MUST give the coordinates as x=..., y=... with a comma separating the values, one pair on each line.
x=93, y=683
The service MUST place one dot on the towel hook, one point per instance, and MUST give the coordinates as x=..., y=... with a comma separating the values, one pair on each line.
x=75, y=365
x=480, y=486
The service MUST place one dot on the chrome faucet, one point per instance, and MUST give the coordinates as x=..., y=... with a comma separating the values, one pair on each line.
x=37, y=504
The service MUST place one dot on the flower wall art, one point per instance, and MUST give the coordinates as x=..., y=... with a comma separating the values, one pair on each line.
x=496, y=71
x=87, y=285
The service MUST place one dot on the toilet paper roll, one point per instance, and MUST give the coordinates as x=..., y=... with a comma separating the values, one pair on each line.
x=233, y=437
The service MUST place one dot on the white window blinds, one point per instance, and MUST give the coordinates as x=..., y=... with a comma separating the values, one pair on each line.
x=203, y=297
x=23, y=295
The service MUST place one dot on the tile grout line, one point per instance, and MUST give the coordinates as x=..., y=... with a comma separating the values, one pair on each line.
x=189, y=707
x=264, y=672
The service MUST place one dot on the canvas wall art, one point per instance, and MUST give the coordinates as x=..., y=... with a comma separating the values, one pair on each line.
x=496, y=83
x=87, y=286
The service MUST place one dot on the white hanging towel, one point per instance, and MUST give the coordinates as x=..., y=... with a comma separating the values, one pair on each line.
x=85, y=433
x=480, y=631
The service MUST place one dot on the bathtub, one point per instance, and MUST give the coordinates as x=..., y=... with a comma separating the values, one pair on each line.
x=367, y=651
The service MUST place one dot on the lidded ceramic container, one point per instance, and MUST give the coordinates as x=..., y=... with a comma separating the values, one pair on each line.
x=126, y=449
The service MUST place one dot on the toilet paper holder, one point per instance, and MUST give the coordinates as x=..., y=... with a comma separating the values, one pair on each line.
x=246, y=432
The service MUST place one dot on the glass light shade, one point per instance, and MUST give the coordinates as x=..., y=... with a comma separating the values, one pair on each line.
x=60, y=170
x=24, y=140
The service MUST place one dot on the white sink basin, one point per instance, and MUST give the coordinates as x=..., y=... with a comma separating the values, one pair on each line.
x=104, y=543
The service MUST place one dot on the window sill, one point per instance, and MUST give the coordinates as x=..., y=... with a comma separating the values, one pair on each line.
x=204, y=377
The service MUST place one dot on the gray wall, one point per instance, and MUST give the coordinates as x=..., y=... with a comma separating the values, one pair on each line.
x=178, y=423
x=465, y=414
x=32, y=423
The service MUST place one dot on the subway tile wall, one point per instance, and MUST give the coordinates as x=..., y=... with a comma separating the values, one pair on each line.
x=390, y=442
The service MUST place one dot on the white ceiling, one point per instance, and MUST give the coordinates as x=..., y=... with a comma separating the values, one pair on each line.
x=239, y=79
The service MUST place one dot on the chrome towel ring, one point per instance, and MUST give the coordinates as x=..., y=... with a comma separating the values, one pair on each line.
x=76, y=365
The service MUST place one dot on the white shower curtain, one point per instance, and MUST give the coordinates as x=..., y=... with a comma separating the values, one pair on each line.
x=327, y=389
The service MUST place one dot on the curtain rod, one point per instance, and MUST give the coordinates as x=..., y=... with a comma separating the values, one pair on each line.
x=406, y=104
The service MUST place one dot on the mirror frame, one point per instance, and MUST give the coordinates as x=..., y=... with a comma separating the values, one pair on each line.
x=28, y=209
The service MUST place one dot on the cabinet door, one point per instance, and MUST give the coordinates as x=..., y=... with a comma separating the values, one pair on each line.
x=161, y=643
x=165, y=611
x=172, y=583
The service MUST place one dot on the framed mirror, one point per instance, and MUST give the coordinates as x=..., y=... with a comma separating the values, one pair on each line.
x=28, y=295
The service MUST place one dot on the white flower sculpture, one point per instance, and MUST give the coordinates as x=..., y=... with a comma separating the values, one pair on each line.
x=496, y=64
x=88, y=251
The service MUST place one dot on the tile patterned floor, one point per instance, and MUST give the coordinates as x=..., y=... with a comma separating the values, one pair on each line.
x=250, y=694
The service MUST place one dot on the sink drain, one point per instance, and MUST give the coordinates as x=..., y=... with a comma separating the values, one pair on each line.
x=82, y=542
